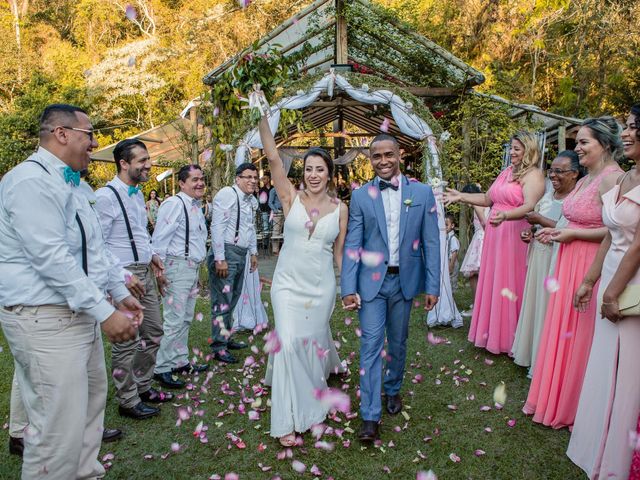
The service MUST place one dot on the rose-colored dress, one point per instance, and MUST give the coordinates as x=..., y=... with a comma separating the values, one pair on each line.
x=502, y=272
x=567, y=334
x=610, y=399
x=634, y=474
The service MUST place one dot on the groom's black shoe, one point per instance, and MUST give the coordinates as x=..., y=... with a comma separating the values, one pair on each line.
x=368, y=431
x=224, y=356
x=394, y=404
x=233, y=345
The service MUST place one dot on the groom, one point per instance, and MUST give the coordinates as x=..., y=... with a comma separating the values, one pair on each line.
x=392, y=253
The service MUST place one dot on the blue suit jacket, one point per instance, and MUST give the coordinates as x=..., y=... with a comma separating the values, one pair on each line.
x=419, y=242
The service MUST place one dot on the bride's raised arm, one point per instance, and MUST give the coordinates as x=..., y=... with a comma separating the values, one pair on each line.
x=286, y=192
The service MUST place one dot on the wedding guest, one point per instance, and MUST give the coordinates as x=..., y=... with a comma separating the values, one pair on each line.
x=207, y=210
x=277, y=220
x=503, y=265
x=470, y=267
x=564, y=172
x=180, y=241
x=233, y=235
x=250, y=311
x=123, y=217
x=453, y=247
x=263, y=202
x=152, y=210
x=58, y=252
x=610, y=399
x=303, y=293
x=567, y=333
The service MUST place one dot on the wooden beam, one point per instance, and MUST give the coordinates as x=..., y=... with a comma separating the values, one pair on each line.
x=193, y=116
x=435, y=91
x=562, y=137
x=341, y=34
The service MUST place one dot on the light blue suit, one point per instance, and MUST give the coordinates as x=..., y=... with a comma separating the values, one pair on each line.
x=387, y=298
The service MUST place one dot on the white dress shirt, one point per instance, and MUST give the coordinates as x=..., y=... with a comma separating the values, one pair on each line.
x=40, y=241
x=223, y=222
x=169, y=235
x=392, y=202
x=114, y=227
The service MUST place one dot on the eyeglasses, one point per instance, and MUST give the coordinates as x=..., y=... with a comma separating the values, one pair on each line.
x=250, y=178
x=557, y=171
x=89, y=133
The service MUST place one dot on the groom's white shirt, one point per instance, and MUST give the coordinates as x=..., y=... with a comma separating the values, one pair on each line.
x=391, y=200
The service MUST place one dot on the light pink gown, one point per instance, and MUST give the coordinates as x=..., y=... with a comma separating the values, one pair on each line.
x=471, y=263
x=502, y=271
x=567, y=334
x=610, y=398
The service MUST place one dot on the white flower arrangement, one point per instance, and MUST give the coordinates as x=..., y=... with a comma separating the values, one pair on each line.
x=444, y=136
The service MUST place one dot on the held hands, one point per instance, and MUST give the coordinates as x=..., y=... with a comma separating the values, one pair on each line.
x=351, y=302
x=532, y=217
x=222, y=269
x=451, y=196
x=526, y=235
x=544, y=235
x=254, y=263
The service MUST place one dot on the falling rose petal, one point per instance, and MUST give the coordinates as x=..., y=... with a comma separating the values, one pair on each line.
x=314, y=213
x=429, y=475
x=131, y=62
x=226, y=289
x=454, y=458
x=272, y=342
x=384, y=126
x=130, y=12
x=373, y=192
x=415, y=245
x=551, y=285
x=500, y=394
x=347, y=321
x=308, y=224
x=479, y=453
x=334, y=399
x=375, y=276
x=327, y=446
x=634, y=440
x=358, y=332
x=434, y=340
x=263, y=198
x=353, y=254
x=508, y=294
x=511, y=423
x=298, y=466
x=371, y=259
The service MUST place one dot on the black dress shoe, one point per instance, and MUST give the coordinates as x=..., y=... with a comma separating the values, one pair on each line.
x=16, y=446
x=155, y=396
x=368, y=431
x=394, y=404
x=111, y=435
x=233, y=345
x=190, y=369
x=225, y=357
x=166, y=380
x=139, y=412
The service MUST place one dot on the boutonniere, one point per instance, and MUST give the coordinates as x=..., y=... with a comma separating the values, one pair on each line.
x=408, y=203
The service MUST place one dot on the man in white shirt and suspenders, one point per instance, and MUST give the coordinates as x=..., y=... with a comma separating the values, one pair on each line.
x=233, y=233
x=54, y=277
x=180, y=239
x=123, y=216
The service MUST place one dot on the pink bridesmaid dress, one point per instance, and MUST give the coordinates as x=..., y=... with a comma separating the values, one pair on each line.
x=502, y=272
x=567, y=334
x=610, y=399
x=634, y=474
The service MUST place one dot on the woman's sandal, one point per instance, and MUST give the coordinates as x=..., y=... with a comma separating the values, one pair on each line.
x=288, y=440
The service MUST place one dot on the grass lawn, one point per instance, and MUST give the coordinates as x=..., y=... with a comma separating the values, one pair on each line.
x=443, y=417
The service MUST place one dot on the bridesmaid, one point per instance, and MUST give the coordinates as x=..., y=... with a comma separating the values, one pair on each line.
x=610, y=399
x=503, y=264
x=566, y=336
x=564, y=172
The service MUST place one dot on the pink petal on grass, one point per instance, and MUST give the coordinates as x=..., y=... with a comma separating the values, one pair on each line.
x=434, y=340
x=511, y=423
x=298, y=466
x=454, y=458
x=422, y=475
x=175, y=447
x=479, y=453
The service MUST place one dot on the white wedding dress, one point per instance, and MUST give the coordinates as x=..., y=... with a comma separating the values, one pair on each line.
x=303, y=295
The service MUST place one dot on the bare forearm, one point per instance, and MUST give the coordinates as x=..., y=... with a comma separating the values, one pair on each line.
x=590, y=234
x=595, y=270
x=519, y=212
x=478, y=199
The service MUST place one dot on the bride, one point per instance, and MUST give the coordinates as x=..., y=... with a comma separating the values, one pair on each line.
x=303, y=292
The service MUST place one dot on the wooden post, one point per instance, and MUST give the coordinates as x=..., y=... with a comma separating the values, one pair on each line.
x=342, y=56
x=193, y=116
x=562, y=137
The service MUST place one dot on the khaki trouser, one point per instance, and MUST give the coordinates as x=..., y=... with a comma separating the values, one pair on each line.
x=178, y=307
x=18, y=420
x=132, y=362
x=62, y=381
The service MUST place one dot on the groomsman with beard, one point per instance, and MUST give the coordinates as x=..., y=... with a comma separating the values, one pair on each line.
x=123, y=217
x=54, y=276
x=180, y=240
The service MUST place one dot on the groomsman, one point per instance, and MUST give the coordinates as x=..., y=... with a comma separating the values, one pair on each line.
x=54, y=277
x=180, y=240
x=400, y=226
x=123, y=217
x=233, y=234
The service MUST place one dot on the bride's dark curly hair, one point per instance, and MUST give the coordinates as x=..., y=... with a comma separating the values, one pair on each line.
x=635, y=111
x=322, y=153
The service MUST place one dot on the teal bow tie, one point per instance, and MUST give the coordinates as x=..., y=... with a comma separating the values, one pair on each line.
x=133, y=190
x=71, y=177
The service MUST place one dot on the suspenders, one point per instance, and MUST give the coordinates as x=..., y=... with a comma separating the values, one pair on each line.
x=83, y=235
x=127, y=224
x=237, y=235
x=186, y=217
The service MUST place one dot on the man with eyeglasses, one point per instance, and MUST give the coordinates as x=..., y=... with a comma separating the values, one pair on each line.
x=233, y=234
x=54, y=278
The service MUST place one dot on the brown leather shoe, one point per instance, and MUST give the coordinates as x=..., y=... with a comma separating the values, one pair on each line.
x=16, y=446
x=368, y=431
x=394, y=404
